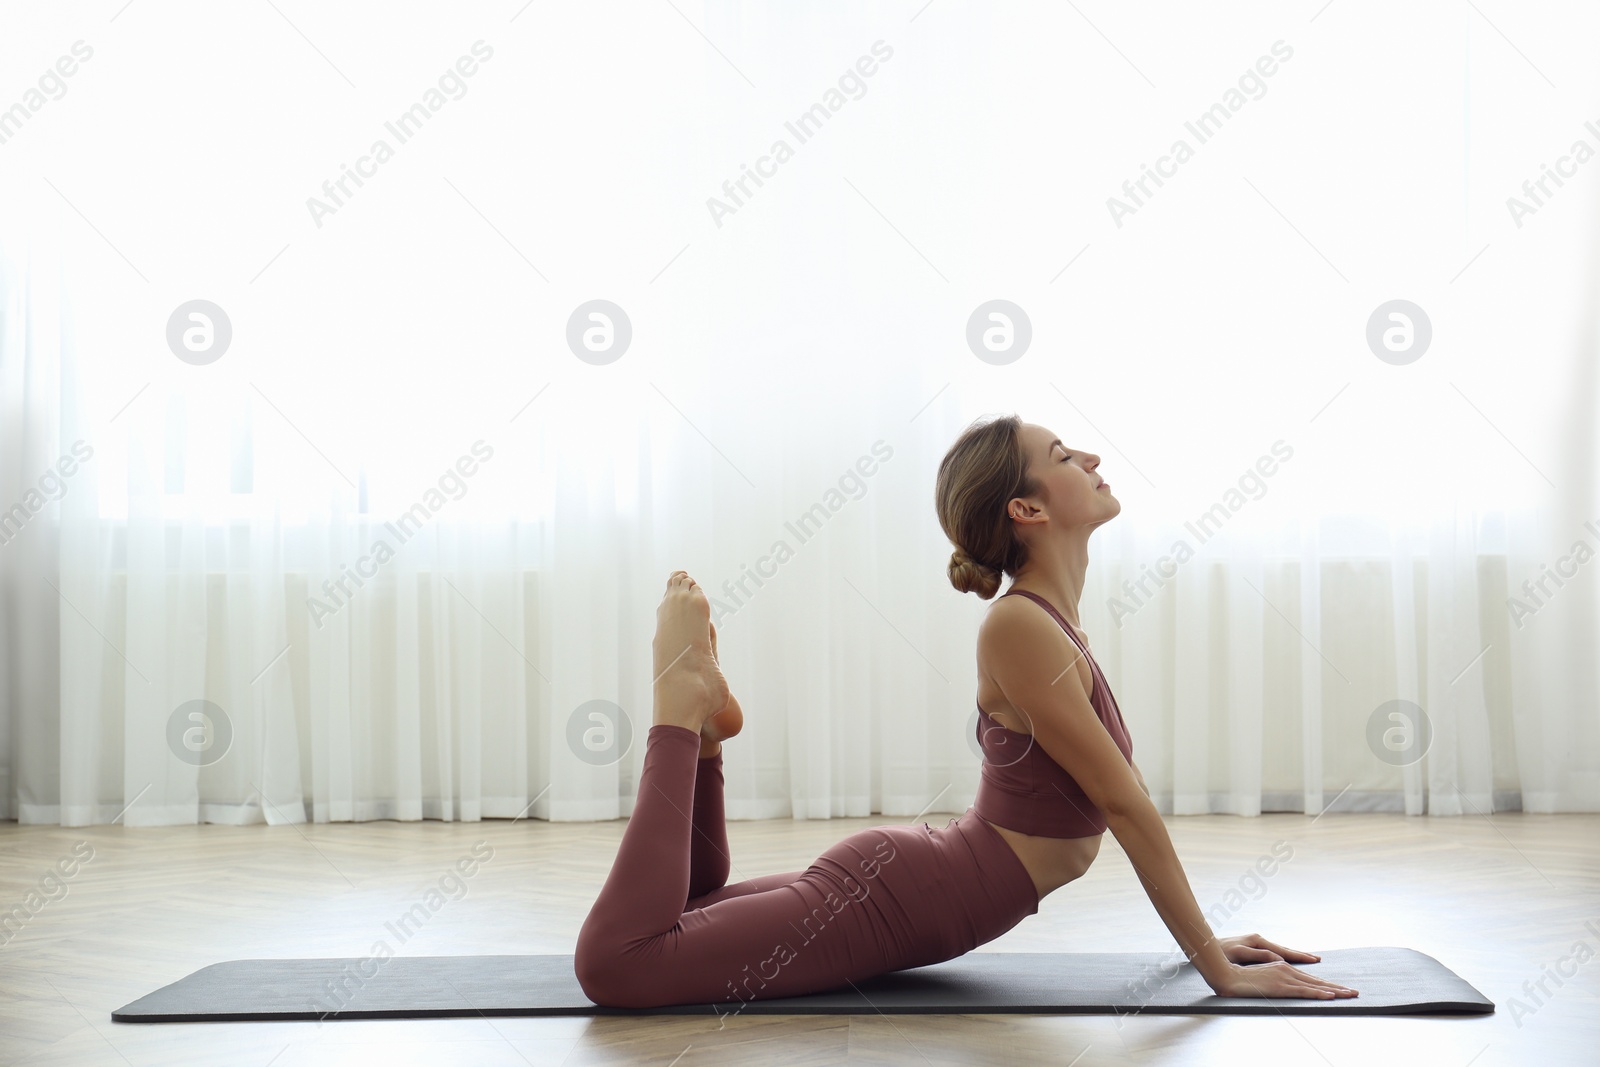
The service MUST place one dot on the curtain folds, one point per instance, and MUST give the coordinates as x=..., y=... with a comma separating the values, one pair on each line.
x=396, y=554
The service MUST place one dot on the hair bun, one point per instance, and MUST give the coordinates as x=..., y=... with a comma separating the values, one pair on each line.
x=962, y=559
x=970, y=576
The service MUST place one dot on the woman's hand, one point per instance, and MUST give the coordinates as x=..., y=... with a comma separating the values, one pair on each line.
x=1253, y=948
x=1270, y=973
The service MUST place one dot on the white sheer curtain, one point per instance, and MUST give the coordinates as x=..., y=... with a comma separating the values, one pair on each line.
x=796, y=369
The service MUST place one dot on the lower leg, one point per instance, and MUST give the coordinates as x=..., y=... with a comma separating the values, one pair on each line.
x=644, y=894
x=708, y=847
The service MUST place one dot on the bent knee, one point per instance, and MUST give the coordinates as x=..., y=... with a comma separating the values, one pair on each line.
x=591, y=966
x=608, y=978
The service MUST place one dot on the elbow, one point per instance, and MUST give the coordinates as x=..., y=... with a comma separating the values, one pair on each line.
x=1126, y=805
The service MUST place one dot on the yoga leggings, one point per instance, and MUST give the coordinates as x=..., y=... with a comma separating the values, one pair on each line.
x=666, y=929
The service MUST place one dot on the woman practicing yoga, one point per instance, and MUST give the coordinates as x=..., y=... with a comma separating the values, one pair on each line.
x=1057, y=772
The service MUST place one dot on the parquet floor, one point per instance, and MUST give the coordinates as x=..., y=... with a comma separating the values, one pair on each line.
x=1499, y=899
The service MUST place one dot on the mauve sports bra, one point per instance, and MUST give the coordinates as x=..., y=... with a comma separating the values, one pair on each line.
x=1021, y=787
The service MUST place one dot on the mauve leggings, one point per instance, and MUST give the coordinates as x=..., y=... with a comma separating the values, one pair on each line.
x=667, y=930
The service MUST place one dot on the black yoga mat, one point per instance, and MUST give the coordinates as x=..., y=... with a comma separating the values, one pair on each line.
x=1392, y=981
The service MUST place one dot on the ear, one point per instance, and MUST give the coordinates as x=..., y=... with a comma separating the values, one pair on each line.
x=1021, y=511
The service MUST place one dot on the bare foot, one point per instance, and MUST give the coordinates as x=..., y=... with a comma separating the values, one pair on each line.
x=725, y=723
x=689, y=687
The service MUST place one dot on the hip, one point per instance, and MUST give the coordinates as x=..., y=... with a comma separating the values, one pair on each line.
x=935, y=892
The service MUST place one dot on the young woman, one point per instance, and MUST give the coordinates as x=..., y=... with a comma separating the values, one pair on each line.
x=1057, y=773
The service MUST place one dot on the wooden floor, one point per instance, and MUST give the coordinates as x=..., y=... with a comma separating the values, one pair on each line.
x=1497, y=899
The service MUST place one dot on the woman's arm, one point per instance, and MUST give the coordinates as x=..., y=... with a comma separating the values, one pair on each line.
x=1143, y=836
x=1140, y=831
x=1027, y=653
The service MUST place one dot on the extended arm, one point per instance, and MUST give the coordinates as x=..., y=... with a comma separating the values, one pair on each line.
x=1027, y=654
x=1139, y=775
x=1143, y=836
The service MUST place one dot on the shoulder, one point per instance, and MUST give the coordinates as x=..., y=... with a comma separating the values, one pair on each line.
x=1018, y=634
x=1009, y=615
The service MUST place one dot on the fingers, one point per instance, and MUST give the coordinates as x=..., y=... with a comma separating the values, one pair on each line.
x=1257, y=941
x=1322, y=983
x=1280, y=979
x=1283, y=980
x=1295, y=954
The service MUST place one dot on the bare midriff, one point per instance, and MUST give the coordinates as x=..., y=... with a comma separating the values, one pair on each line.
x=1052, y=862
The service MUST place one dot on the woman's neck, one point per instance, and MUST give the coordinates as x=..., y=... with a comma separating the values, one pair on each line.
x=1055, y=570
x=1060, y=599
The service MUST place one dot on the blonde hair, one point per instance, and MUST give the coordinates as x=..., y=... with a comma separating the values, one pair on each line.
x=979, y=475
